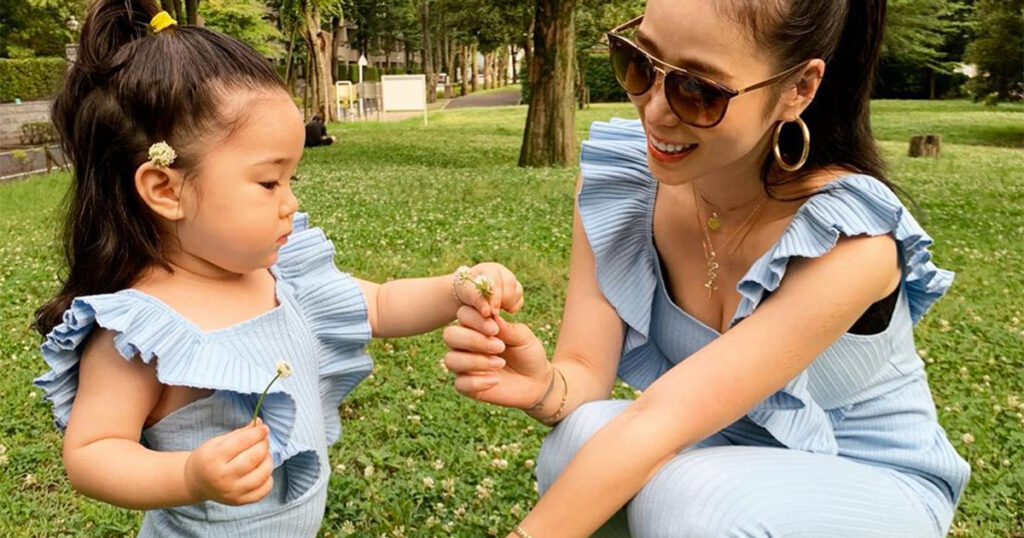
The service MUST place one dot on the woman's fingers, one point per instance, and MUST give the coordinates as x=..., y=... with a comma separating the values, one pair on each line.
x=469, y=384
x=466, y=339
x=472, y=319
x=459, y=362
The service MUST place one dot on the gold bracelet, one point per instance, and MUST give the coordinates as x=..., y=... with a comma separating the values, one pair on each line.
x=540, y=402
x=550, y=421
x=521, y=532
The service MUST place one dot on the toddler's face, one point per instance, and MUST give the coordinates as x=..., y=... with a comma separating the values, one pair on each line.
x=239, y=207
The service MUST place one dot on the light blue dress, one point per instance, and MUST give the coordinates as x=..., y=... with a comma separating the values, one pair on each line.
x=320, y=326
x=850, y=447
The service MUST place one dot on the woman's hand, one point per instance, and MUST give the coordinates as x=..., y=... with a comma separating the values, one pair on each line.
x=506, y=293
x=495, y=361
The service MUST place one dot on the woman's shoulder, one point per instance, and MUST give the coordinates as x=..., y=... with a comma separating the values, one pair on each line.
x=850, y=206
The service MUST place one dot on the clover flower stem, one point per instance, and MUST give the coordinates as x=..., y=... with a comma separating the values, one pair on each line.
x=260, y=401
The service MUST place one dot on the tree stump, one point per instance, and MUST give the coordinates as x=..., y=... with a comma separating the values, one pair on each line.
x=926, y=145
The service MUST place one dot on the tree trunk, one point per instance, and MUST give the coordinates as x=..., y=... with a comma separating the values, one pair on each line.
x=487, y=71
x=513, y=53
x=925, y=146
x=289, y=75
x=336, y=26
x=318, y=43
x=449, y=57
x=408, y=56
x=549, y=138
x=465, y=71
x=472, y=68
x=191, y=12
x=428, y=60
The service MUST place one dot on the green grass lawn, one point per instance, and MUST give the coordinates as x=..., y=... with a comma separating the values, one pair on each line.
x=401, y=200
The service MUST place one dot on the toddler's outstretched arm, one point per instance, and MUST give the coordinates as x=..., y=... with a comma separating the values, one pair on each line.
x=105, y=461
x=419, y=305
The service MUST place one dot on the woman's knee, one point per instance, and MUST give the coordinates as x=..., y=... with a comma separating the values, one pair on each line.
x=566, y=439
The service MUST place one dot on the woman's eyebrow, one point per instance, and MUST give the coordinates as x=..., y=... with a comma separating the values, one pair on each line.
x=698, y=66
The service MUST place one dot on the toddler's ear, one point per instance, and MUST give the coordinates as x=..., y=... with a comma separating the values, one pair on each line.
x=161, y=188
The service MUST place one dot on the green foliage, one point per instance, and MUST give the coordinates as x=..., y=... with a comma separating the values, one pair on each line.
x=916, y=31
x=997, y=50
x=246, y=20
x=37, y=132
x=31, y=78
x=601, y=81
x=400, y=200
x=37, y=27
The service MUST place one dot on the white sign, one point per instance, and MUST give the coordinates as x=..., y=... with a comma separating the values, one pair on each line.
x=404, y=93
x=362, y=61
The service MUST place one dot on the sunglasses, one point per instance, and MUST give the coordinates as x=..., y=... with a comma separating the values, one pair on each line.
x=694, y=99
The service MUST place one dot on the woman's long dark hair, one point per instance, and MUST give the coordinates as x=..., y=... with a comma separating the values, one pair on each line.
x=847, y=34
x=130, y=88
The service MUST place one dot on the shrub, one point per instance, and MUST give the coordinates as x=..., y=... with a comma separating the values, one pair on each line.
x=31, y=78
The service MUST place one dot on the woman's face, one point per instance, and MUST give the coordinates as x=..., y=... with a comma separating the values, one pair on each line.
x=696, y=36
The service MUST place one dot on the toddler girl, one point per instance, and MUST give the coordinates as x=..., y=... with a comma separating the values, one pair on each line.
x=191, y=276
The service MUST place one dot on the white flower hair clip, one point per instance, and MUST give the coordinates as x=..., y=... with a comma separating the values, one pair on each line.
x=162, y=154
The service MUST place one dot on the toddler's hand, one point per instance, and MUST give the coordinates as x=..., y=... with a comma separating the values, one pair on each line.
x=234, y=468
x=505, y=291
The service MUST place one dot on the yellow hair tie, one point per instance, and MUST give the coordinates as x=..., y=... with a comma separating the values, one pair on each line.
x=160, y=21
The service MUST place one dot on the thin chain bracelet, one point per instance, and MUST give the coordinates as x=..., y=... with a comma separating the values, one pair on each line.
x=521, y=532
x=550, y=421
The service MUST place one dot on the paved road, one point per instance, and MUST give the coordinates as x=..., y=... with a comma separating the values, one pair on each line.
x=503, y=97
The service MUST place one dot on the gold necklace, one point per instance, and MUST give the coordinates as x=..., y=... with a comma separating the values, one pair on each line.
x=714, y=222
x=710, y=256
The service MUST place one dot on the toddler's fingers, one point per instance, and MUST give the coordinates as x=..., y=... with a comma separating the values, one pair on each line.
x=511, y=293
x=471, y=318
x=238, y=441
x=460, y=363
x=258, y=493
x=255, y=479
x=464, y=339
x=245, y=461
x=471, y=383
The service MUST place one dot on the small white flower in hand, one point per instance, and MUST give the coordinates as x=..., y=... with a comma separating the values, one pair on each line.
x=484, y=286
x=283, y=371
x=162, y=154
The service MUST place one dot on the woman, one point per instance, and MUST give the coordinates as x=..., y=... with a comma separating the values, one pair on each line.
x=760, y=290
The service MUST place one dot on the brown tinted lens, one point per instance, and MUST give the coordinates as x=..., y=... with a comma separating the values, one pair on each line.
x=693, y=100
x=631, y=67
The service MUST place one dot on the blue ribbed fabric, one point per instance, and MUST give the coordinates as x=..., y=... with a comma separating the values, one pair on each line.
x=863, y=407
x=320, y=327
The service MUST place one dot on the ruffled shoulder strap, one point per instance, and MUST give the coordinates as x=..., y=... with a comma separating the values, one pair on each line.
x=334, y=308
x=616, y=203
x=849, y=206
x=141, y=329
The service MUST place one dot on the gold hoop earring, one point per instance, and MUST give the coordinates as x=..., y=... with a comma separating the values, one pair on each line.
x=803, y=156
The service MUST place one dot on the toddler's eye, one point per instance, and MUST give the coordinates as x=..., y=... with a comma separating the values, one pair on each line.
x=269, y=185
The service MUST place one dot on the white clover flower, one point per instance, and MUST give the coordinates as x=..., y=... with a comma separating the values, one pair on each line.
x=162, y=154
x=368, y=471
x=284, y=370
x=484, y=286
x=428, y=482
x=967, y=438
x=438, y=465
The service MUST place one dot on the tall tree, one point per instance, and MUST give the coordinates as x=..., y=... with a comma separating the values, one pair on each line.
x=310, y=16
x=428, y=52
x=996, y=50
x=549, y=138
x=917, y=32
x=247, y=21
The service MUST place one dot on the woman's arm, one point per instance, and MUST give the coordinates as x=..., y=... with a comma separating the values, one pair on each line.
x=105, y=461
x=718, y=384
x=413, y=306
